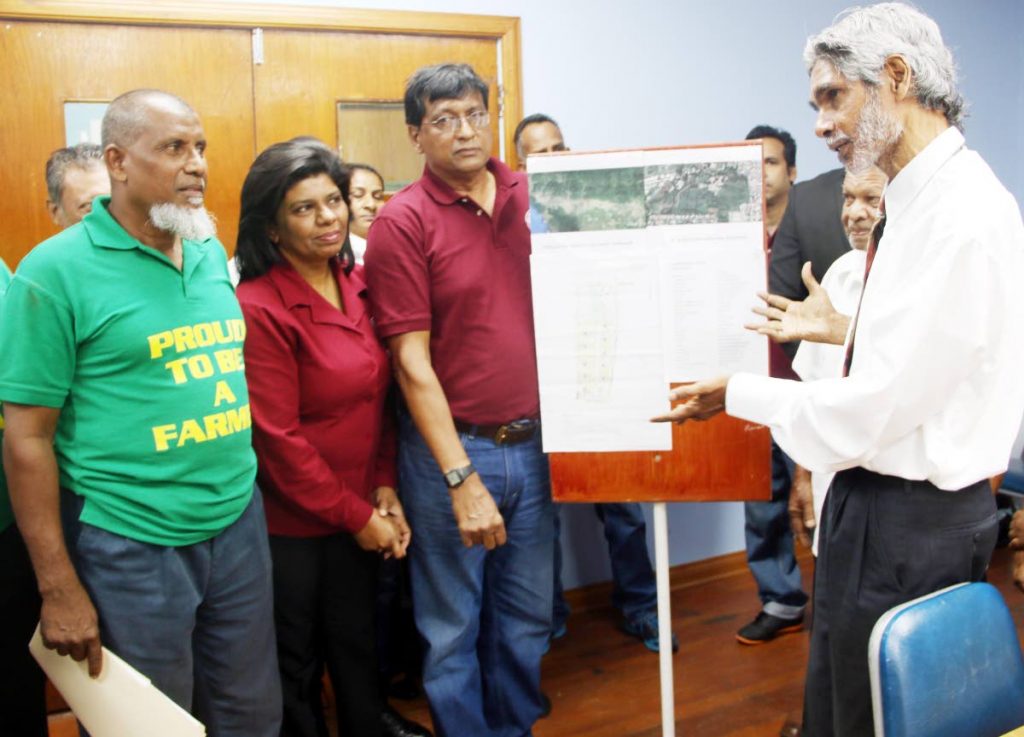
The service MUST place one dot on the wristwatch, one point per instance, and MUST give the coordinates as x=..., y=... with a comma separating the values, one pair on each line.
x=457, y=476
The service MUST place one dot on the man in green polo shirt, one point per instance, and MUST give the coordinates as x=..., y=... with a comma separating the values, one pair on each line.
x=128, y=449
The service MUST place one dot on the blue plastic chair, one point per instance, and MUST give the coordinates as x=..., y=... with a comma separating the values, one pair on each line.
x=947, y=665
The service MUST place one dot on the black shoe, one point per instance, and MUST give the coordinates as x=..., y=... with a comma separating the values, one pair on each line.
x=767, y=627
x=393, y=724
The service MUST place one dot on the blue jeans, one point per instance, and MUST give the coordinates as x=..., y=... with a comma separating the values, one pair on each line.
x=197, y=620
x=770, y=545
x=485, y=616
x=634, y=587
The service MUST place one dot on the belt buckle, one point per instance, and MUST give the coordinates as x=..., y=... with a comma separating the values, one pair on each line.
x=501, y=437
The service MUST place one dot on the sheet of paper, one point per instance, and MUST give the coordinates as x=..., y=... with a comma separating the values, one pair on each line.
x=645, y=266
x=599, y=354
x=121, y=701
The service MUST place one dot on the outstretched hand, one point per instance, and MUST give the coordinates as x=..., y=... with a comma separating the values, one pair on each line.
x=700, y=401
x=814, y=318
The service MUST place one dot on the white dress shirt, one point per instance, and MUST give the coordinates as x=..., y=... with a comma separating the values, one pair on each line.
x=935, y=390
x=842, y=282
x=358, y=246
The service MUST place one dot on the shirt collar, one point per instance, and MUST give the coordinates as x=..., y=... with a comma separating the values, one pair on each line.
x=295, y=291
x=906, y=185
x=106, y=232
x=443, y=194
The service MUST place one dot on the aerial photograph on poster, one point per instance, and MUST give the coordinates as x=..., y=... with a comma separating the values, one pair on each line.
x=588, y=200
x=703, y=192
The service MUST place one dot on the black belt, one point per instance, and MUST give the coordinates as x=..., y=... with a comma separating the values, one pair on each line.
x=508, y=434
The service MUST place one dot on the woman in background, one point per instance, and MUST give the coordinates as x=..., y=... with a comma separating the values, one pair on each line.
x=366, y=197
x=318, y=381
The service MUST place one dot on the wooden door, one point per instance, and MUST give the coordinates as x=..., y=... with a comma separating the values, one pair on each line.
x=48, y=64
x=343, y=67
x=54, y=51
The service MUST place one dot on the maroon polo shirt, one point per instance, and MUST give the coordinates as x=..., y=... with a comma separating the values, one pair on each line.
x=436, y=261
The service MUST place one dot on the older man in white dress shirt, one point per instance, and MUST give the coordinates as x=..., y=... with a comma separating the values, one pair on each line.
x=932, y=401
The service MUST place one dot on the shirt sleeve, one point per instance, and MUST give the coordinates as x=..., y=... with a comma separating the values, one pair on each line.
x=288, y=464
x=927, y=333
x=39, y=344
x=397, y=278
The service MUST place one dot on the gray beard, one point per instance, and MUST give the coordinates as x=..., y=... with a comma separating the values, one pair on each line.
x=188, y=223
x=877, y=133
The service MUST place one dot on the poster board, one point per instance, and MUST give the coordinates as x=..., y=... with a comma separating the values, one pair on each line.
x=645, y=265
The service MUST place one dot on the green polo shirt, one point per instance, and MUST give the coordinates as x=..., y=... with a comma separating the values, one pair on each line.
x=145, y=363
x=6, y=516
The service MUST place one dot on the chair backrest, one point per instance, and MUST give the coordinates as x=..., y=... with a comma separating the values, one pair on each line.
x=947, y=665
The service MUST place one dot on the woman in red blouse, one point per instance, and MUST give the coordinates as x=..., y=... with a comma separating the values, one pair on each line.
x=318, y=381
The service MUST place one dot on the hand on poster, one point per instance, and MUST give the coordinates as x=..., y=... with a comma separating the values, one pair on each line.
x=813, y=319
x=701, y=400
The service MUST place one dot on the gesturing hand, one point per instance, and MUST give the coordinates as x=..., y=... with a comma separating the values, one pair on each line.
x=478, y=518
x=814, y=318
x=700, y=401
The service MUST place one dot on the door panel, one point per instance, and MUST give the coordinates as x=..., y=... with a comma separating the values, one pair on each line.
x=305, y=75
x=47, y=64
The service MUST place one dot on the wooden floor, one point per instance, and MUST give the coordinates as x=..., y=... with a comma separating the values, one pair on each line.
x=603, y=683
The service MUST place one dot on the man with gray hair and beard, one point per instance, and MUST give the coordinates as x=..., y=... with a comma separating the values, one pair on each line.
x=930, y=399
x=128, y=448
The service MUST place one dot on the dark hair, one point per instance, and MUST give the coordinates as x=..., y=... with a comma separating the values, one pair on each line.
x=788, y=144
x=528, y=121
x=350, y=168
x=80, y=156
x=272, y=174
x=440, y=82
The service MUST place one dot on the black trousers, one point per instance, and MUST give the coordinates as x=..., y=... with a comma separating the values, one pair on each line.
x=22, y=684
x=324, y=592
x=884, y=541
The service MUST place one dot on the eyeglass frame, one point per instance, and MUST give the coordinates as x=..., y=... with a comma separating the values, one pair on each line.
x=451, y=124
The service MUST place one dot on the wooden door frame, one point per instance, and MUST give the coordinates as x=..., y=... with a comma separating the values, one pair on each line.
x=299, y=17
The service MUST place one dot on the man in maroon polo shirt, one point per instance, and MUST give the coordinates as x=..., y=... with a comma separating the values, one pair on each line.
x=447, y=265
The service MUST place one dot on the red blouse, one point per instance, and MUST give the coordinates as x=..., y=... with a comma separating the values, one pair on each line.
x=318, y=380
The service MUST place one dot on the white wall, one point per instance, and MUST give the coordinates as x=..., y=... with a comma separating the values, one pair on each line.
x=666, y=72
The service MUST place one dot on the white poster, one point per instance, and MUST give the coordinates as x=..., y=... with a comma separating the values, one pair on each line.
x=645, y=267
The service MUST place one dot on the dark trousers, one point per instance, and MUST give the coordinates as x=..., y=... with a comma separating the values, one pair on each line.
x=884, y=541
x=324, y=591
x=22, y=699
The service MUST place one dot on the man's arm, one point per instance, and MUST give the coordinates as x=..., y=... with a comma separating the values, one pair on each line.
x=478, y=518
x=68, y=619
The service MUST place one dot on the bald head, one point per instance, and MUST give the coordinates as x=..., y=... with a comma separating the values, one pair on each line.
x=128, y=115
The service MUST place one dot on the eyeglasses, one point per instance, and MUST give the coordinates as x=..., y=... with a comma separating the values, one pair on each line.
x=449, y=124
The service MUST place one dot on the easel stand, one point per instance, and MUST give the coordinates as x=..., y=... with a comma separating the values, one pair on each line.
x=668, y=701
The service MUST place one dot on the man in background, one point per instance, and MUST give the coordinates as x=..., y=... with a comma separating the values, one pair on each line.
x=634, y=592
x=767, y=534
x=75, y=176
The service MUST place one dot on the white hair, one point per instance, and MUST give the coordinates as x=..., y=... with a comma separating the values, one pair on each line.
x=861, y=39
x=188, y=223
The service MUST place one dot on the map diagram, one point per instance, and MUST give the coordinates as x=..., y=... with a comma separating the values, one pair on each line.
x=595, y=199
x=629, y=198
x=596, y=339
x=706, y=192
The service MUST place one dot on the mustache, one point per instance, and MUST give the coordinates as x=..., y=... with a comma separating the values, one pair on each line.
x=836, y=140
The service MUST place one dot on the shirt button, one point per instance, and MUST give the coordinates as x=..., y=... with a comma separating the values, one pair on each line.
x=464, y=199
x=479, y=212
